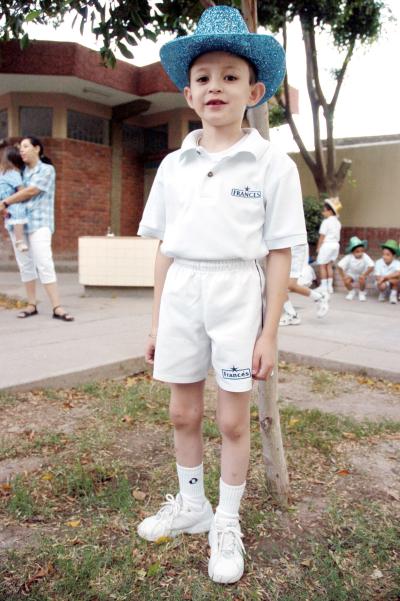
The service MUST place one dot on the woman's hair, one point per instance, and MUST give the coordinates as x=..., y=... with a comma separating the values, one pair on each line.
x=10, y=158
x=36, y=142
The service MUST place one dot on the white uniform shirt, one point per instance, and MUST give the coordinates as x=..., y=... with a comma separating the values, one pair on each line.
x=382, y=269
x=330, y=228
x=355, y=266
x=247, y=203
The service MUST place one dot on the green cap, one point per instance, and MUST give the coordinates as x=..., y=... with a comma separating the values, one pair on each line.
x=354, y=242
x=392, y=245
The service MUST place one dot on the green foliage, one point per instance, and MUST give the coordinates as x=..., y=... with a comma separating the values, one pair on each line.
x=312, y=211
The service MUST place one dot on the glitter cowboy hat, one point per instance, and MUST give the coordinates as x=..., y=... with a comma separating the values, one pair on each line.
x=334, y=204
x=391, y=245
x=222, y=28
x=355, y=242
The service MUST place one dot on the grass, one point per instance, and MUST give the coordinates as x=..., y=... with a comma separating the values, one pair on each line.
x=332, y=544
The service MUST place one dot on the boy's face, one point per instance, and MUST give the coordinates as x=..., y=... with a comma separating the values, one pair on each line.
x=358, y=252
x=387, y=255
x=327, y=213
x=220, y=88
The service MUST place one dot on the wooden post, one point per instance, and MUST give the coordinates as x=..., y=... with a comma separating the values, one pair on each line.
x=268, y=412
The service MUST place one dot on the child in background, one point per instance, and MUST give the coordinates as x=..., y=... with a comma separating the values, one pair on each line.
x=298, y=269
x=355, y=267
x=387, y=272
x=11, y=166
x=225, y=200
x=328, y=243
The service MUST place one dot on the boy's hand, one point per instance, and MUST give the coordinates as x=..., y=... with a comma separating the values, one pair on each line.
x=264, y=356
x=150, y=350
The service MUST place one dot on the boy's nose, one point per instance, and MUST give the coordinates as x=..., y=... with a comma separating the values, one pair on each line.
x=215, y=86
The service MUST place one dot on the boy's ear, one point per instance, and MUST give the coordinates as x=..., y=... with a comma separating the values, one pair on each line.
x=257, y=92
x=187, y=92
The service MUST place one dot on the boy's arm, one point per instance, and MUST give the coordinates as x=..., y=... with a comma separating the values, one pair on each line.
x=162, y=264
x=320, y=241
x=277, y=278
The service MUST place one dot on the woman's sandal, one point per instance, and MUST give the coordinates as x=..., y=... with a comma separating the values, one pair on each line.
x=25, y=314
x=63, y=316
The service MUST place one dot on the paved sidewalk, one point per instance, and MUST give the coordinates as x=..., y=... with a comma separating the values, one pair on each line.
x=108, y=336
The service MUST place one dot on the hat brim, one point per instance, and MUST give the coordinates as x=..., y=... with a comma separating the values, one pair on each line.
x=350, y=249
x=392, y=248
x=263, y=51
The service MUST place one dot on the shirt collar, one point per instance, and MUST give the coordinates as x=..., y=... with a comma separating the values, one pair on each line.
x=253, y=144
x=34, y=169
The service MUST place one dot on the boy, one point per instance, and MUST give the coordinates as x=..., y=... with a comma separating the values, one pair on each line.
x=298, y=269
x=387, y=272
x=220, y=204
x=328, y=243
x=354, y=267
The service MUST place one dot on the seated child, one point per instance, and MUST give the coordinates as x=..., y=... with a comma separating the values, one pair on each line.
x=301, y=277
x=355, y=267
x=11, y=166
x=328, y=243
x=387, y=272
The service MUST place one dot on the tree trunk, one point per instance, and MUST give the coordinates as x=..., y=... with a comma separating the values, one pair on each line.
x=268, y=412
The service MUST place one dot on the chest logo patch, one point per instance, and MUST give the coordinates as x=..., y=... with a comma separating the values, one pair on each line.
x=235, y=373
x=246, y=192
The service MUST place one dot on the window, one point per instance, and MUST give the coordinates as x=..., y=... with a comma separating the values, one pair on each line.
x=133, y=137
x=89, y=128
x=156, y=138
x=195, y=125
x=36, y=121
x=3, y=125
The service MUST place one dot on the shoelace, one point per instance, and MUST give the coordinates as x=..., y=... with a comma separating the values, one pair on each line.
x=170, y=508
x=228, y=537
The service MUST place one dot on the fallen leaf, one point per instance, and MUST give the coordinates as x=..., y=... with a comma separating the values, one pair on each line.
x=350, y=435
x=343, y=472
x=163, y=539
x=139, y=495
x=394, y=494
x=293, y=421
x=5, y=489
x=376, y=574
x=47, y=476
x=73, y=523
x=128, y=419
x=68, y=405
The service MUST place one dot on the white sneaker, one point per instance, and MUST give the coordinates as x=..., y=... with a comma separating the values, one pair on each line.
x=393, y=297
x=382, y=297
x=362, y=295
x=330, y=289
x=350, y=295
x=289, y=320
x=226, y=563
x=323, y=305
x=176, y=517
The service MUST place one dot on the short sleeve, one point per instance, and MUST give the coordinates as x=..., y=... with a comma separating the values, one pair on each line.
x=43, y=178
x=13, y=178
x=323, y=228
x=369, y=262
x=377, y=270
x=284, y=215
x=344, y=262
x=152, y=224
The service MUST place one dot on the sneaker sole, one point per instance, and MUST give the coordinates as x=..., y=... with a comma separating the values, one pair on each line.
x=199, y=528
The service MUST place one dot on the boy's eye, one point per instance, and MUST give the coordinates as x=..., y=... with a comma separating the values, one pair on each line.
x=231, y=77
x=202, y=79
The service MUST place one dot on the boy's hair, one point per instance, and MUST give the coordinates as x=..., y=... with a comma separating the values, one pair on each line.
x=252, y=68
x=390, y=249
x=10, y=159
x=329, y=208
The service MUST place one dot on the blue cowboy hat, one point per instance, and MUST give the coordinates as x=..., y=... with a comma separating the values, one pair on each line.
x=222, y=28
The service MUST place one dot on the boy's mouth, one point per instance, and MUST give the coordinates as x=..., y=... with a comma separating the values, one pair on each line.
x=215, y=102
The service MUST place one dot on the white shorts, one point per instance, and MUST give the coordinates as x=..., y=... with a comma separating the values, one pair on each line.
x=210, y=315
x=354, y=276
x=299, y=253
x=328, y=252
x=38, y=259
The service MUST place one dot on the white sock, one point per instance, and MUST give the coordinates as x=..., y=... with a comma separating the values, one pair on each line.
x=330, y=282
x=191, y=483
x=324, y=284
x=229, y=499
x=289, y=308
x=315, y=296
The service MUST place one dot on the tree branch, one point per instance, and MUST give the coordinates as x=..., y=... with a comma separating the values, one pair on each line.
x=349, y=54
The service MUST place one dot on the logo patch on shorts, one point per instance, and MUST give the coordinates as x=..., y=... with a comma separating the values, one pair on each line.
x=236, y=373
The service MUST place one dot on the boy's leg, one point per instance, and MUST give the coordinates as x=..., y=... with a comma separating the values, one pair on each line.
x=226, y=564
x=323, y=276
x=189, y=511
x=329, y=271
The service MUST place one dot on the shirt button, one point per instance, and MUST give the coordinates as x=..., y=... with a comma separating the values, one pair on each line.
x=210, y=174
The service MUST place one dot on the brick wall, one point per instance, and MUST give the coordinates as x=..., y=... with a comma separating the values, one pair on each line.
x=132, y=192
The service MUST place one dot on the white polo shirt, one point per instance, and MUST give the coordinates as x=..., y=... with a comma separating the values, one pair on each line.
x=238, y=205
x=355, y=266
x=330, y=228
x=383, y=269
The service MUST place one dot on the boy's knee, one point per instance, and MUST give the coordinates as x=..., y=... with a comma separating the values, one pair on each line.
x=232, y=429
x=185, y=417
